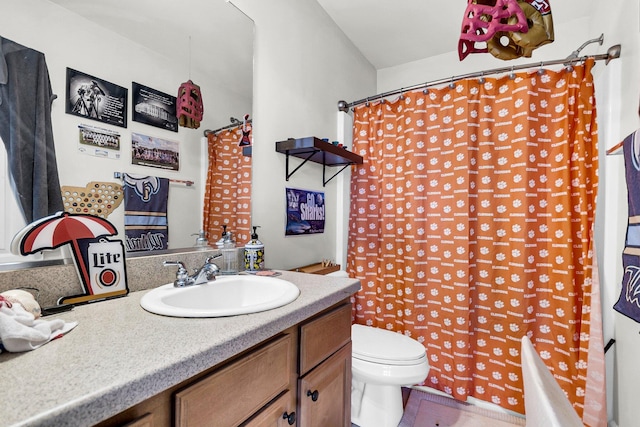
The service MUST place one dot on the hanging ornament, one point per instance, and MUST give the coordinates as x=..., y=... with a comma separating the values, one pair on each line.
x=189, y=105
x=189, y=108
x=246, y=132
x=507, y=29
x=483, y=19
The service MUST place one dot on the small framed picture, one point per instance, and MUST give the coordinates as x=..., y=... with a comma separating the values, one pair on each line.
x=155, y=152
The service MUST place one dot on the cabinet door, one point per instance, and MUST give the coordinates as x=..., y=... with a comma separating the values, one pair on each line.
x=281, y=413
x=325, y=393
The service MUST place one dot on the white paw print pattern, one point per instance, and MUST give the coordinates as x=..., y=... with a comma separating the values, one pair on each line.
x=506, y=239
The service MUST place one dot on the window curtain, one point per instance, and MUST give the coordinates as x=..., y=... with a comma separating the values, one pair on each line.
x=227, y=198
x=471, y=225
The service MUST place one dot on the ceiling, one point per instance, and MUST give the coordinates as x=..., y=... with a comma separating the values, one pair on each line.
x=387, y=32
x=394, y=32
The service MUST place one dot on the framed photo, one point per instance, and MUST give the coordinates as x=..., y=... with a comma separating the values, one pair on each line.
x=96, y=99
x=98, y=142
x=153, y=107
x=305, y=212
x=155, y=152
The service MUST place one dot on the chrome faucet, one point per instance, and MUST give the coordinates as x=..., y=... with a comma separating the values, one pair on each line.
x=206, y=273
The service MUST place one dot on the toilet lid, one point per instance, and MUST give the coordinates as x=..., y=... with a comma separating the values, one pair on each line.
x=382, y=346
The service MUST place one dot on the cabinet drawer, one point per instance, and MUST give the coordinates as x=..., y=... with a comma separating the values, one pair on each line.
x=281, y=413
x=230, y=395
x=144, y=421
x=323, y=336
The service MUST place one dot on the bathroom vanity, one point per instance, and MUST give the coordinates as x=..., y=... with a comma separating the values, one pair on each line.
x=124, y=366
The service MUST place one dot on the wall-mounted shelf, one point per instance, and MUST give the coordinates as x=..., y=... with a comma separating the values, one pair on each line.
x=317, y=151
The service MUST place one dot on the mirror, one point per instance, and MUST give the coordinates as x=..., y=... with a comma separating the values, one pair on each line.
x=159, y=44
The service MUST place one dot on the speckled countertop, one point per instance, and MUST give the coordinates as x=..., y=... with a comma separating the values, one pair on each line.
x=120, y=354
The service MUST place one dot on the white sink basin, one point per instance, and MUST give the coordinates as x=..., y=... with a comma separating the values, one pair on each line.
x=225, y=296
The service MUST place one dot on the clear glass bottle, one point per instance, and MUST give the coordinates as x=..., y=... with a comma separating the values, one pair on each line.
x=229, y=255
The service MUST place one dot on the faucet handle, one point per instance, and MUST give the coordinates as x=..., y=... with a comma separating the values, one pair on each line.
x=182, y=276
x=211, y=258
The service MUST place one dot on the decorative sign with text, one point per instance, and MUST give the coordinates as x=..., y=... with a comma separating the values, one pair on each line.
x=96, y=99
x=100, y=262
x=305, y=212
x=152, y=107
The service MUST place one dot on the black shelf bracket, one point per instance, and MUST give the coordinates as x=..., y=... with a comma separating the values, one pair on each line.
x=324, y=182
x=289, y=175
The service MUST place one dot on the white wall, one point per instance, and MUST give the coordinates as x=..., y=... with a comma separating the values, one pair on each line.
x=68, y=40
x=303, y=66
x=618, y=90
x=618, y=111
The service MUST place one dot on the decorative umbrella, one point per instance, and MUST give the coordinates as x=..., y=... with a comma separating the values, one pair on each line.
x=62, y=228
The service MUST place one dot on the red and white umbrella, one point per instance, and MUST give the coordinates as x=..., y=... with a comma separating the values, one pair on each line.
x=62, y=228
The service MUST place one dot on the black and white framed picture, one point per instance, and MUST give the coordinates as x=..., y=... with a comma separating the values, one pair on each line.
x=96, y=99
x=153, y=107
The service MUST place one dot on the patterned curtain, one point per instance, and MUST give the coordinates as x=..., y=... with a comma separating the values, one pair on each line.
x=227, y=197
x=470, y=226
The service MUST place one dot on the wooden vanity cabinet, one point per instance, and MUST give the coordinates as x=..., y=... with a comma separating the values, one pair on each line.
x=301, y=377
x=228, y=394
x=324, y=387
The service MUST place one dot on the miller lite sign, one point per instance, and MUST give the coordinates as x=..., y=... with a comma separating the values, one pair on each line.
x=107, y=272
x=100, y=262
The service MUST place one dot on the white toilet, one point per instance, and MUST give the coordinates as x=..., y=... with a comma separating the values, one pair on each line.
x=382, y=362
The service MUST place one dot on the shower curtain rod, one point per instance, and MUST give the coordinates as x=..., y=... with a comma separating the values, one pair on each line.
x=234, y=122
x=612, y=53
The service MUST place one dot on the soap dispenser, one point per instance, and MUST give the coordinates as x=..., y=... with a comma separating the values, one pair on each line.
x=220, y=243
x=254, y=253
x=201, y=240
x=229, y=254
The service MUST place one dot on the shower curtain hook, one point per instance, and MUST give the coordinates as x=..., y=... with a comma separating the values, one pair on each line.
x=569, y=67
x=451, y=84
x=540, y=70
x=401, y=97
x=426, y=88
x=511, y=74
x=366, y=103
x=481, y=79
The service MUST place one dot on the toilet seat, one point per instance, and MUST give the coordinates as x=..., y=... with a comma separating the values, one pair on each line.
x=381, y=346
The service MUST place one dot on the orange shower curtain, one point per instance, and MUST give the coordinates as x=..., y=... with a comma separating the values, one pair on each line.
x=470, y=226
x=227, y=198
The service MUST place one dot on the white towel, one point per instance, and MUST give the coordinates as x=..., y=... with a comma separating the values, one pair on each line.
x=21, y=331
x=544, y=401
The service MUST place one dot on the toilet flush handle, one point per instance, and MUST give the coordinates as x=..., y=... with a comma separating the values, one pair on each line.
x=313, y=394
